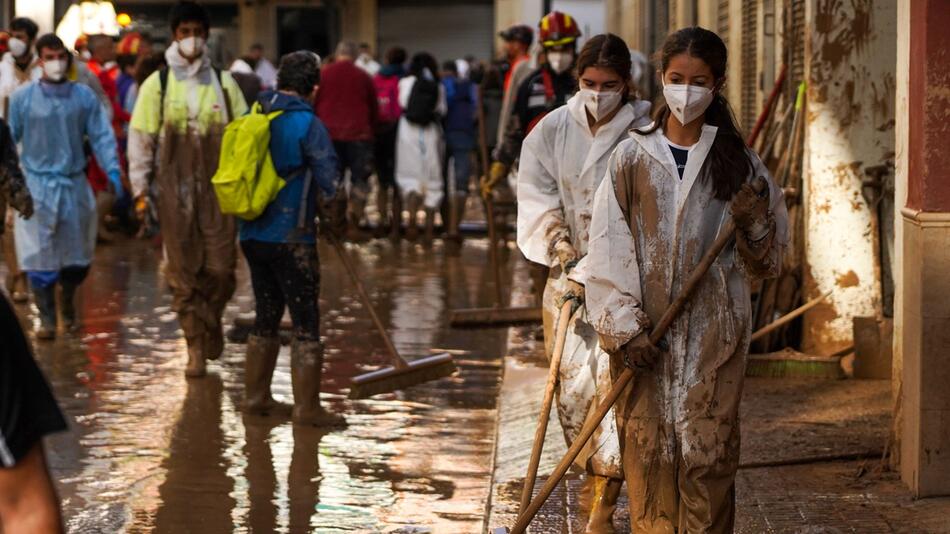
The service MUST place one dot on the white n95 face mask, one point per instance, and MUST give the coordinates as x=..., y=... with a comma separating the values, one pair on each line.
x=17, y=47
x=600, y=103
x=560, y=61
x=687, y=102
x=191, y=47
x=55, y=70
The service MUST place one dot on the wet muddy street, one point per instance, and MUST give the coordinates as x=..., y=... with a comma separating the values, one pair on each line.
x=149, y=451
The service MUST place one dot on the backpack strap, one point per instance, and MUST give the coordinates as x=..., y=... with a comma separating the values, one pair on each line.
x=227, y=98
x=548, y=85
x=163, y=84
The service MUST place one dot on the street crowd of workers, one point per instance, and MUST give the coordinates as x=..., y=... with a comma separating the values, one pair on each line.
x=615, y=207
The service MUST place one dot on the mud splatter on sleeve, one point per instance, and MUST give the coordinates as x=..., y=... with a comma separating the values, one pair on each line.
x=610, y=271
x=541, y=221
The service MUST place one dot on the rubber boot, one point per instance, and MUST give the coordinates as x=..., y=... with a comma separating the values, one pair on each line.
x=258, y=371
x=354, y=215
x=306, y=373
x=430, y=225
x=604, y=494
x=382, y=207
x=104, y=203
x=45, y=299
x=413, y=203
x=197, y=367
x=456, y=212
x=214, y=342
x=67, y=305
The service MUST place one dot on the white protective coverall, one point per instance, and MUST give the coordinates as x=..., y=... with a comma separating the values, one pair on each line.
x=679, y=420
x=419, y=150
x=562, y=164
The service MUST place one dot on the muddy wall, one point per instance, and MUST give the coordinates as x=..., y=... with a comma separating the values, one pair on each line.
x=850, y=64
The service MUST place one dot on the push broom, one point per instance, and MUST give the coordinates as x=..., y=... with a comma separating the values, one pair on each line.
x=401, y=374
x=498, y=315
x=726, y=235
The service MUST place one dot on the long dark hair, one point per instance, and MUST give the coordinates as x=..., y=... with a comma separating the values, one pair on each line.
x=422, y=61
x=606, y=51
x=728, y=164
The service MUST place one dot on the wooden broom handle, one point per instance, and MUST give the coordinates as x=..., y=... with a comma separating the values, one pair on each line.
x=563, y=320
x=394, y=356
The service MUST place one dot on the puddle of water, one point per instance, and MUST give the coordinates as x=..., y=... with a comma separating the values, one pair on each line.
x=149, y=451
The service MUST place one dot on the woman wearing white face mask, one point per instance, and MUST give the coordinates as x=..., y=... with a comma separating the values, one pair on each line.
x=669, y=190
x=562, y=163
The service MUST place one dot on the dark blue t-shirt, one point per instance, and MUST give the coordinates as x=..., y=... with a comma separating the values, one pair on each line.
x=680, y=155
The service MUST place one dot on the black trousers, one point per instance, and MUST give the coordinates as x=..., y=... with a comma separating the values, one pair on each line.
x=285, y=274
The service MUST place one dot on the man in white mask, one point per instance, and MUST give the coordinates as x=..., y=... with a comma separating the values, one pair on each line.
x=55, y=246
x=18, y=67
x=175, y=139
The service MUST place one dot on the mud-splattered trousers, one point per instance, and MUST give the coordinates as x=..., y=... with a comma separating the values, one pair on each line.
x=200, y=251
x=679, y=419
x=285, y=274
x=561, y=165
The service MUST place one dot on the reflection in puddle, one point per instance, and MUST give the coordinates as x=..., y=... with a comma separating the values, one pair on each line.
x=149, y=451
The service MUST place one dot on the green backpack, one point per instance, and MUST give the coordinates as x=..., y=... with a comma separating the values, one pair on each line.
x=246, y=180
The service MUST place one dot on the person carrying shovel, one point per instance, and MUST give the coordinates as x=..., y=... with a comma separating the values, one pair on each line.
x=563, y=160
x=669, y=190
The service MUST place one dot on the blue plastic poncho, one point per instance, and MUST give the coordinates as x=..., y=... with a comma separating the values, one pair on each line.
x=49, y=122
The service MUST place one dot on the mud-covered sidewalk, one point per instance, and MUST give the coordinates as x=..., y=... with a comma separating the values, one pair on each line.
x=811, y=457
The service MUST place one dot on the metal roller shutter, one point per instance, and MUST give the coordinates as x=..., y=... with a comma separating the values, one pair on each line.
x=448, y=29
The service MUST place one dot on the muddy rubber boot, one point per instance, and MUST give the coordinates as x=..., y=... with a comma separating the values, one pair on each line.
x=456, y=211
x=67, y=305
x=214, y=342
x=413, y=203
x=354, y=215
x=197, y=367
x=382, y=207
x=258, y=371
x=45, y=299
x=104, y=203
x=430, y=225
x=603, y=498
x=306, y=373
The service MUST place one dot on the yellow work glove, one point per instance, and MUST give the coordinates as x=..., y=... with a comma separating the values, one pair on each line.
x=141, y=207
x=497, y=171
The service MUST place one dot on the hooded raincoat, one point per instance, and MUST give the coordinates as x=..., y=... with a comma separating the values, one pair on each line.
x=50, y=122
x=419, y=150
x=679, y=420
x=175, y=139
x=562, y=164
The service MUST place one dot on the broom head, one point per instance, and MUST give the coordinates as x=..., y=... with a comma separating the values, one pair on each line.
x=389, y=379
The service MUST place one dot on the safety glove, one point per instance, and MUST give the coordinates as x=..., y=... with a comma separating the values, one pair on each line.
x=639, y=353
x=566, y=254
x=750, y=211
x=22, y=201
x=118, y=189
x=497, y=171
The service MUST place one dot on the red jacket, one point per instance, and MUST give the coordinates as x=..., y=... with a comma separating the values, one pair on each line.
x=346, y=102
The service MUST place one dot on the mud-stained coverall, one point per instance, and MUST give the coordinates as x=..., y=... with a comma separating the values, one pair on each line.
x=186, y=136
x=679, y=419
x=562, y=164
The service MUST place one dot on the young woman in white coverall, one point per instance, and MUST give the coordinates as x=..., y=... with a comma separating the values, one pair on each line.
x=563, y=160
x=668, y=192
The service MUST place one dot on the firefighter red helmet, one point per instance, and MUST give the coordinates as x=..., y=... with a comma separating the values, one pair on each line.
x=558, y=29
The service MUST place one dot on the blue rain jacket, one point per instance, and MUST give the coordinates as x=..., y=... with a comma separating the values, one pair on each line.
x=299, y=142
x=49, y=122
